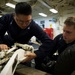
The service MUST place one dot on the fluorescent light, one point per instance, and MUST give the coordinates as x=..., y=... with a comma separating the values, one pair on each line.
x=42, y=14
x=10, y=5
x=0, y=15
x=22, y=0
x=53, y=11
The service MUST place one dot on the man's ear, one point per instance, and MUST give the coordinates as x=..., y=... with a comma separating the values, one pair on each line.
x=14, y=14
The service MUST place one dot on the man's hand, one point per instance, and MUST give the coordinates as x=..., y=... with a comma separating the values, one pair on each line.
x=3, y=47
x=29, y=56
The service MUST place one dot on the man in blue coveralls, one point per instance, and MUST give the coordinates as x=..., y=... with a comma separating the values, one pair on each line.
x=20, y=28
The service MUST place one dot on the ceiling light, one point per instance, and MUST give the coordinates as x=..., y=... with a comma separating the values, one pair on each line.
x=42, y=14
x=0, y=15
x=22, y=0
x=10, y=5
x=53, y=11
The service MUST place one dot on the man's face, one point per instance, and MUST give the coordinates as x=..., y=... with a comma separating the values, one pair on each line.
x=22, y=21
x=68, y=33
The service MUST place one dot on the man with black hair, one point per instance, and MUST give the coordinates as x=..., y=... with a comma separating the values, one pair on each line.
x=20, y=28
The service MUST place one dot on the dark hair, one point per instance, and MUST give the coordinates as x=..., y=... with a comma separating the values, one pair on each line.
x=23, y=8
x=70, y=21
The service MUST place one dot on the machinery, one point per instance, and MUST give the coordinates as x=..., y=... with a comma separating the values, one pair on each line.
x=12, y=57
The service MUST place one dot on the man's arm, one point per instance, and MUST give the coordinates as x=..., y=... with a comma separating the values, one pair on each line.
x=56, y=44
x=3, y=28
x=46, y=43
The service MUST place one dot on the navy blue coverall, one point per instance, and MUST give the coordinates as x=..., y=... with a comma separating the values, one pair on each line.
x=16, y=34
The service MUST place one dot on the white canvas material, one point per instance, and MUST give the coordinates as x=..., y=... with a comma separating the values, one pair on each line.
x=11, y=65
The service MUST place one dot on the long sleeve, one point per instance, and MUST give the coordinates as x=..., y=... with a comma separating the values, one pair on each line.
x=47, y=43
x=57, y=43
x=3, y=26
